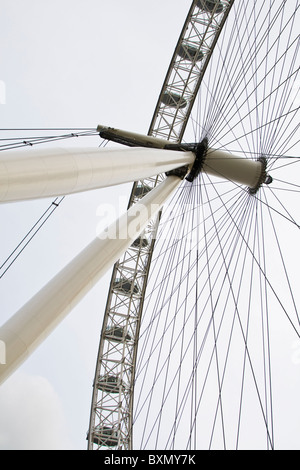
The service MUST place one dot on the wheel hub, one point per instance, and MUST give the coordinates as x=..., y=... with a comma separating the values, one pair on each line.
x=214, y=162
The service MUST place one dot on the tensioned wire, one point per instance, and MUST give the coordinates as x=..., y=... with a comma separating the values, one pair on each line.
x=177, y=217
x=253, y=75
x=257, y=262
x=286, y=183
x=226, y=77
x=281, y=257
x=280, y=101
x=172, y=251
x=220, y=79
x=283, y=209
x=253, y=249
x=226, y=72
x=219, y=82
x=179, y=230
x=30, y=235
x=49, y=211
x=24, y=141
x=265, y=329
x=191, y=214
x=253, y=260
x=194, y=369
x=235, y=295
x=156, y=258
x=212, y=354
x=251, y=263
x=230, y=283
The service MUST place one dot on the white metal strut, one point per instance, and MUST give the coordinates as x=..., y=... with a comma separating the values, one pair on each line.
x=30, y=325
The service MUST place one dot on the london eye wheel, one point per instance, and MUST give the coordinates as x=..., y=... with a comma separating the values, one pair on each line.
x=203, y=297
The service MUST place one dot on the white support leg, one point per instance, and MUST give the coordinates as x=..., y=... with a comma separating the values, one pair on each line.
x=31, y=174
x=36, y=320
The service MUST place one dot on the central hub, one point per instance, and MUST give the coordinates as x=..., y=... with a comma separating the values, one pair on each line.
x=200, y=151
x=214, y=162
x=252, y=173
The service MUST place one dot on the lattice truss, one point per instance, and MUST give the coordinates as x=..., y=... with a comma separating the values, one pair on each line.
x=189, y=62
x=112, y=402
x=114, y=378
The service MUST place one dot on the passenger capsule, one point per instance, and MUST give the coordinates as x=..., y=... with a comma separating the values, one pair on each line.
x=209, y=5
x=140, y=242
x=173, y=100
x=190, y=53
x=109, y=384
x=105, y=436
x=125, y=286
x=117, y=334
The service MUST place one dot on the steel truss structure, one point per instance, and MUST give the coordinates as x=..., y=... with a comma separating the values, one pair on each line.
x=113, y=388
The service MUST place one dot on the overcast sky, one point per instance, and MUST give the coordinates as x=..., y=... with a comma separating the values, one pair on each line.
x=70, y=63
